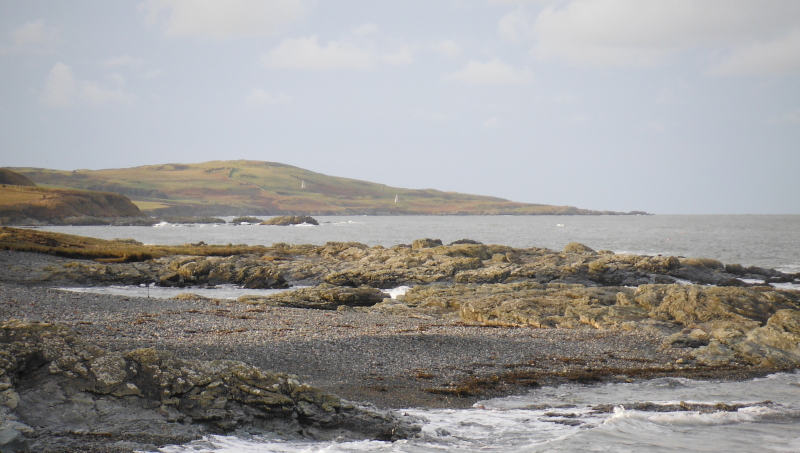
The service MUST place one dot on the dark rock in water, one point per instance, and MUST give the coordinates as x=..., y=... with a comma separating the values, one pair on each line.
x=323, y=297
x=465, y=241
x=286, y=220
x=245, y=219
x=62, y=394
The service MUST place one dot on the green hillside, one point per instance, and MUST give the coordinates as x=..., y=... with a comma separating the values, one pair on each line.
x=269, y=188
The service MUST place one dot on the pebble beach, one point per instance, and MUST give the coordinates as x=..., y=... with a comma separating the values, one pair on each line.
x=392, y=361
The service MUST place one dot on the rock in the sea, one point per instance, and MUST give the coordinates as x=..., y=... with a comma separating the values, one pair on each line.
x=324, y=297
x=291, y=220
x=60, y=393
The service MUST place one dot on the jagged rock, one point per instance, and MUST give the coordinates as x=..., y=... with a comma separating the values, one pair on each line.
x=424, y=262
x=323, y=297
x=62, y=393
x=290, y=220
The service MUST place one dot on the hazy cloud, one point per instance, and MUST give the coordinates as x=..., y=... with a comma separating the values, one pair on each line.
x=153, y=74
x=260, y=97
x=307, y=53
x=655, y=126
x=564, y=99
x=218, y=19
x=791, y=117
x=490, y=72
x=31, y=37
x=402, y=56
x=491, y=123
x=60, y=86
x=759, y=37
x=516, y=25
x=777, y=56
x=62, y=89
x=365, y=30
x=447, y=47
x=436, y=116
x=125, y=61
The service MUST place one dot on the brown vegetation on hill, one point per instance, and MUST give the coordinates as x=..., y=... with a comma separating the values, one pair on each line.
x=13, y=178
x=268, y=188
x=21, y=203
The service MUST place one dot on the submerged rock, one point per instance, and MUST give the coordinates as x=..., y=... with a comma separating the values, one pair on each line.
x=61, y=393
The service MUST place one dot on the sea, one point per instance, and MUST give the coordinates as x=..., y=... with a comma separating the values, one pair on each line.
x=564, y=418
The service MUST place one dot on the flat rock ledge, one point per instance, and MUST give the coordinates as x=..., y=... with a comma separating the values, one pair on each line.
x=59, y=393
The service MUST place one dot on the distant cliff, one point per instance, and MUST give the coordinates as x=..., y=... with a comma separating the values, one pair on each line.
x=269, y=188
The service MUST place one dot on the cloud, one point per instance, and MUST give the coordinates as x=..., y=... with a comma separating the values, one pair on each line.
x=260, y=97
x=754, y=36
x=60, y=86
x=490, y=72
x=62, y=89
x=223, y=19
x=491, y=123
x=791, y=117
x=125, y=61
x=436, y=116
x=402, y=56
x=447, y=47
x=563, y=99
x=577, y=118
x=306, y=53
x=778, y=56
x=31, y=37
x=515, y=25
x=365, y=30
x=655, y=126
x=153, y=74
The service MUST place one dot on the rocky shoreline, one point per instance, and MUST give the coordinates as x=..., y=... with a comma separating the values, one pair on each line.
x=478, y=321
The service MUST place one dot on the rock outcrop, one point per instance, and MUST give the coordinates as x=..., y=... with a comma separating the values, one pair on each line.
x=291, y=220
x=426, y=261
x=59, y=392
x=323, y=297
x=757, y=326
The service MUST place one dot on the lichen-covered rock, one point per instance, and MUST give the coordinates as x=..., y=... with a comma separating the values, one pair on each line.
x=58, y=391
x=425, y=261
x=291, y=220
x=577, y=247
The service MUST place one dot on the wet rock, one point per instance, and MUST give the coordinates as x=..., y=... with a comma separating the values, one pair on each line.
x=323, y=297
x=62, y=393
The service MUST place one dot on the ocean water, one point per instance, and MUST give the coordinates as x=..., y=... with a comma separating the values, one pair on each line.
x=560, y=419
x=564, y=419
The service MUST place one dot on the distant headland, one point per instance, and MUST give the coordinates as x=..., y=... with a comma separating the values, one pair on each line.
x=245, y=187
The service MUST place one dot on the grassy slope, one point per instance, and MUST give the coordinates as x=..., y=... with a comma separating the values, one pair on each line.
x=221, y=187
x=48, y=204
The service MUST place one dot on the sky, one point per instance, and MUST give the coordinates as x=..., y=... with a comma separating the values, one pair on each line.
x=671, y=107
